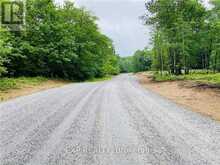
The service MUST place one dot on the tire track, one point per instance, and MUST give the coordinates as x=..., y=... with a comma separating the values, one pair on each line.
x=25, y=150
x=149, y=120
x=18, y=128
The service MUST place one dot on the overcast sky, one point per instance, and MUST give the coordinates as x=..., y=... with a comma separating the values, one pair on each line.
x=119, y=20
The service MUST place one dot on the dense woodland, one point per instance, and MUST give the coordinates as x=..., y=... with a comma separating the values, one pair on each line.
x=65, y=42
x=140, y=61
x=186, y=36
x=58, y=41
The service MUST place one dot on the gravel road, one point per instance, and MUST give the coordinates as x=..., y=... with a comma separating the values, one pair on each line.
x=114, y=122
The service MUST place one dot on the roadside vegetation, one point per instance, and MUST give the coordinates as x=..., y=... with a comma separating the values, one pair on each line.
x=140, y=61
x=57, y=42
x=16, y=83
x=186, y=42
x=211, y=78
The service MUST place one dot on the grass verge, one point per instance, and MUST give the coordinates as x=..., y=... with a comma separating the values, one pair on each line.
x=16, y=83
x=207, y=78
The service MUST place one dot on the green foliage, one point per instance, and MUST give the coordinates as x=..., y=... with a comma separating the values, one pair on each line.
x=166, y=77
x=126, y=64
x=186, y=36
x=112, y=66
x=60, y=42
x=210, y=78
x=4, y=50
x=140, y=61
x=215, y=52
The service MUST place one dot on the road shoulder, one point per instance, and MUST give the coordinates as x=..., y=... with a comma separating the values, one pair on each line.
x=202, y=100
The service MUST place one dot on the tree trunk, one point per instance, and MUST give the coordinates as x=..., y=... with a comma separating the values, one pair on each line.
x=161, y=60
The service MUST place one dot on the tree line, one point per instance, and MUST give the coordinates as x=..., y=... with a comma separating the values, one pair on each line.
x=58, y=41
x=186, y=36
x=140, y=61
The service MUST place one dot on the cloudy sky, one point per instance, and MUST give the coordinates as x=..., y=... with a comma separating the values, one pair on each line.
x=119, y=20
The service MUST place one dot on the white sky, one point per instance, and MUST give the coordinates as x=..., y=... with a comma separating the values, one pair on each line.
x=119, y=20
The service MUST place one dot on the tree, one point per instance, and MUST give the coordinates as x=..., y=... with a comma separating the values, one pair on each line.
x=126, y=64
x=177, y=25
x=142, y=60
x=4, y=50
x=61, y=41
x=214, y=21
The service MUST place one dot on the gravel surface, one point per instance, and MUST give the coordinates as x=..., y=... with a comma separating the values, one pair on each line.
x=114, y=122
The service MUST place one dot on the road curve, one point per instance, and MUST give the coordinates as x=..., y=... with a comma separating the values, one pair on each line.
x=114, y=122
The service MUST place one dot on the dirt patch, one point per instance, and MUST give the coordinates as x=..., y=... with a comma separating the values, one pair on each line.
x=194, y=96
x=30, y=89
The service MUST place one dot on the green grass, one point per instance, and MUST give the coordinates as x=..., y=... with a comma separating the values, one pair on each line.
x=209, y=78
x=165, y=77
x=16, y=83
x=212, y=78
